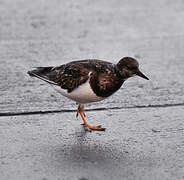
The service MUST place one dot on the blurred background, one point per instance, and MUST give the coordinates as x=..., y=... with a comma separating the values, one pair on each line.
x=44, y=33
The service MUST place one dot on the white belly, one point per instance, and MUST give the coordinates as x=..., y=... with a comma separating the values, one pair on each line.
x=83, y=94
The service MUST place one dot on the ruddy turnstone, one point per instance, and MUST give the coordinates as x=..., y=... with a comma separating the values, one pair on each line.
x=87, y=81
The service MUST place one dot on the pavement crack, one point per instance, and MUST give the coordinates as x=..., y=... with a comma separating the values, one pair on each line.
x=93, y=109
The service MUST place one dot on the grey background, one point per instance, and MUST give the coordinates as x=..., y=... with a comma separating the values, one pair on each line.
x=144, y=119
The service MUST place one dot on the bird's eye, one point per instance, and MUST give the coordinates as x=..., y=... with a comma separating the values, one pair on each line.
x=128, y=67
x=134, y=68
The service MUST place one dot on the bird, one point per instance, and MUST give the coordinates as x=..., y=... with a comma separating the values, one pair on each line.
x=87, y=81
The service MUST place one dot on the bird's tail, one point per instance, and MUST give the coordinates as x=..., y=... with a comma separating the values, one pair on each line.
x=42, y=73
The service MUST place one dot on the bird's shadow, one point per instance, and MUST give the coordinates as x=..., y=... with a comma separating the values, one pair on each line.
x=84, y=150
x=89, y=155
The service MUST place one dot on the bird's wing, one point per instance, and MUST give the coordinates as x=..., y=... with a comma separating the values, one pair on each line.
x=68, y=76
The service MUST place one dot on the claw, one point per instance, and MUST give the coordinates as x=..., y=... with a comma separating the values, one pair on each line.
x=77, y=114
x=103, y=129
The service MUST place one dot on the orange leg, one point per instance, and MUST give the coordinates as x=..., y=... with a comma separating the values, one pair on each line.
x=81, y=112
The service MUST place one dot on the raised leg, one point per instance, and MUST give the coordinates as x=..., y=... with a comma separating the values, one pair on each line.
x=80, y=111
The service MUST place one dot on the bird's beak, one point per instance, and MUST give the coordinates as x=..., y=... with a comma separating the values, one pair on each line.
x=139, y=73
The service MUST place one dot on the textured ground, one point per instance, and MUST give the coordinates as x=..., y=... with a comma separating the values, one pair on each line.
x=144, y=119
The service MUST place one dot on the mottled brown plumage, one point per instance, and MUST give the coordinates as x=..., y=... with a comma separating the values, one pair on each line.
x=104, y=77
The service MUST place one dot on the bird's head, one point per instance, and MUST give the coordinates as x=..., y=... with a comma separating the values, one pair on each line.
x=129, y=67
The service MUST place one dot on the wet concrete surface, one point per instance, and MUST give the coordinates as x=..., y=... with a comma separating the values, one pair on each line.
x=144, y=120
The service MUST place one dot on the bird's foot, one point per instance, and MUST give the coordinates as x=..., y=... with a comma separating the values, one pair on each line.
x=93, y=128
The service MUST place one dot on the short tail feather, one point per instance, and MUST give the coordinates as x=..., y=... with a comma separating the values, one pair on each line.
x=41, y=73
